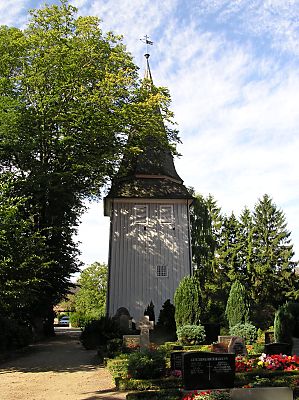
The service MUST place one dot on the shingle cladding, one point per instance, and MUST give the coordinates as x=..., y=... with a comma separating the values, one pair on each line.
x=150, y=174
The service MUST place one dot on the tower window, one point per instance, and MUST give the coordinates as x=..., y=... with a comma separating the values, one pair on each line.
x=161, y=271
x=141, y=214
x=166, y=214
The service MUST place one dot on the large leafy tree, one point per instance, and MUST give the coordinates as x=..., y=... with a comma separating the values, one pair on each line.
x=69, y=95
x=23, y=259
x=90, y=299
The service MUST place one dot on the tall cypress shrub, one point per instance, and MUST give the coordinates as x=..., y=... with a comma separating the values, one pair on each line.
x=237, y=306
x=187, y=301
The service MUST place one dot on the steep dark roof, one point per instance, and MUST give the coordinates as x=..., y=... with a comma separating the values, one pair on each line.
x=150, y=174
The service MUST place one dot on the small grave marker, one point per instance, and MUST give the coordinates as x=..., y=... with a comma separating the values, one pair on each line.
x=145, y=325
x=176, y=361
x=205, y=370
x=131, y=341
x=237, y=346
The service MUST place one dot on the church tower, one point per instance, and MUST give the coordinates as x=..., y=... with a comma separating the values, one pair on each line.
x=150, y=247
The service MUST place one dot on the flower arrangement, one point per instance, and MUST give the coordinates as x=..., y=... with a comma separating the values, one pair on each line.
x=279, y=362
x=269, y=362
x=207, y=395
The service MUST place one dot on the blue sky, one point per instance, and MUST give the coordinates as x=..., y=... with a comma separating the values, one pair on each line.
x=232, y=68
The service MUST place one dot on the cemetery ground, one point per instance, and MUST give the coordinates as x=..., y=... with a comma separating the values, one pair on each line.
x=56, y=369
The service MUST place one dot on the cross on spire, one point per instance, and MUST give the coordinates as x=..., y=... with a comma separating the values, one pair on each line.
x=148, y=42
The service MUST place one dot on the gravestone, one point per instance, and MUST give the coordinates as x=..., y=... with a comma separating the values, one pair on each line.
x=123, y=320
x=144, y=325
x=225, y=339
x=219, y=347
x=176, y=361
x=278, y=348
x=237, y=346
x=265, y=393
x=131, y=341
x=205, y=370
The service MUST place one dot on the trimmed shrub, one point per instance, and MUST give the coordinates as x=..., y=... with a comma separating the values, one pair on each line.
x=187, y=301
x=97, y=333
x=283, y=325
x=237, y=306
x=146, y=364
x=167, y=316
x=246, y=331
x=150, y=311
x=191, y=334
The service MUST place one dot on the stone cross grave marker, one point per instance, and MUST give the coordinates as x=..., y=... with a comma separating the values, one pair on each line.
x=144, y=325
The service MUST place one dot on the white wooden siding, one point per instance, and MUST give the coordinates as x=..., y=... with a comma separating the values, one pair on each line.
x=135, y=251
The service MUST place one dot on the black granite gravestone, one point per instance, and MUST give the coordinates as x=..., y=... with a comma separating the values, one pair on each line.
x=204, y=370
x=176, y=361
x=278, y=348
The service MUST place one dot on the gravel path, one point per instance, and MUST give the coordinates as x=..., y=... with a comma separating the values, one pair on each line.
x=58, y=369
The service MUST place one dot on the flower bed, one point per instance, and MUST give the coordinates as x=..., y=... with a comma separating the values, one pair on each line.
x=207, y=395
x=267, y=362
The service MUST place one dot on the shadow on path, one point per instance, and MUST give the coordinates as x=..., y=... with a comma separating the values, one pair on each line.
x=62, y=353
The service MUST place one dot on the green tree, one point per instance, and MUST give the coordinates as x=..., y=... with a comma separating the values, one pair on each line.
x=23, y=258
x=188, y=302
x=90, y=299
x=69, y=95
x=273, y=277
x=206, y=227
x=237, y=306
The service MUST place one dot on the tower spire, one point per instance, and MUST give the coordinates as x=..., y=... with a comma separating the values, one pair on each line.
x=147, y=72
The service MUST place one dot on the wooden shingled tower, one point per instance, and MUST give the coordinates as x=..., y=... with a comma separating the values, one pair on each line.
x=149, y=249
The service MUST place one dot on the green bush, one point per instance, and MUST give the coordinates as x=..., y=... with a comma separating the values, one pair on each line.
x=191, y=334
x=246, y=331
x=167, y=316
x=237, y=306
x=148, y=384
x=97, y=333
x=169, y=394
x=284, y=323
x=187, y=301
x=118, y=367
x=14, y=335
x=146, y=364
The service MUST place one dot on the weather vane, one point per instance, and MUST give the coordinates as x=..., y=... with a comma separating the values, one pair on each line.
x=147, y=42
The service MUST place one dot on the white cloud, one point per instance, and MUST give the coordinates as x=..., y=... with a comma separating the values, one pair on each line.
x=232, y=71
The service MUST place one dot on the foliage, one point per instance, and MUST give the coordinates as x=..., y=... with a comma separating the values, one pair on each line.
x=146, y=364
x=118, y=367
x=206, y=225
x=254, y=249
x=246, y=331
x=90, y=299
x=69, y=96
x=237, y=307
x=96, y=333
x=283, y=324
x=23, y=257
x=187, y=301
x=14, y=335
x=167, y=316
x=191, y=334
x=150, y=311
